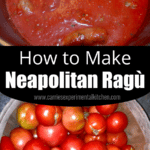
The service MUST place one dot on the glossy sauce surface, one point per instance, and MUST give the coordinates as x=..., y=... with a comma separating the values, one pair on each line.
x=77, y=22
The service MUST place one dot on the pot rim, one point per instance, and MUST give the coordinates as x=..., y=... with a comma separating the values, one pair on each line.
x=4, y=43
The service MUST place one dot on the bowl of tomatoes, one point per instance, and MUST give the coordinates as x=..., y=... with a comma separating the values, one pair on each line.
x=28, y=126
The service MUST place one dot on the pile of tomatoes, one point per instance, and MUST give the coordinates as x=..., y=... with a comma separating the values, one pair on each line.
x=47, y=127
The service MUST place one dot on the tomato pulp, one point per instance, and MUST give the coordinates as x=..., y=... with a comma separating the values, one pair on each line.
x=77, y=22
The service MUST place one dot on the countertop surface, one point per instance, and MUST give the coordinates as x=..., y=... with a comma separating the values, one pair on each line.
x=144, y=101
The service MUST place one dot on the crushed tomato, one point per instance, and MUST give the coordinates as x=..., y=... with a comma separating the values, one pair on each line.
x=77, y=22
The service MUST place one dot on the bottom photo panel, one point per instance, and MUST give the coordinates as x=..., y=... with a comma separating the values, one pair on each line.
x=119, y=126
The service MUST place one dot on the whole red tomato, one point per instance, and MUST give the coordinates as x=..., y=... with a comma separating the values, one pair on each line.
x=117, y=139
x=52, y=135
x=72, y=143
x=36, y=144
x=73, y=118
x=107, y=109
x=112, y=147
x=20, y=137
x=94, y=145
x=128, y=147
x=92, y=109
x=95, y=124
x=48, y=115
x=26, y=116
x=117, y=122
x=6, y=144
x=102, y=137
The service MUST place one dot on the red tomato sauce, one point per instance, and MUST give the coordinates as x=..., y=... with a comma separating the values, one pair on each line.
x=77, y=22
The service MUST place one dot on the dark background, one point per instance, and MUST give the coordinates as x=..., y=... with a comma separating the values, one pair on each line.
x=144, y=101
x=116, y=65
